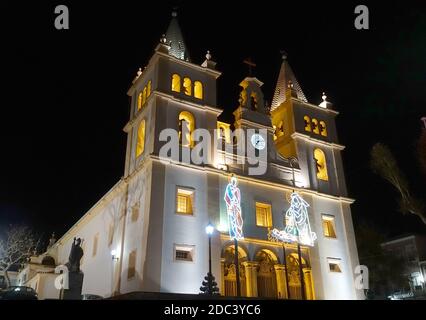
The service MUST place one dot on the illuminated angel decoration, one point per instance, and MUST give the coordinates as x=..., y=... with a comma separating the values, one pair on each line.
x=233, y=205
x=298, y=228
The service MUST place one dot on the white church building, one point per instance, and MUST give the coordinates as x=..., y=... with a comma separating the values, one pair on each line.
x=147, y=233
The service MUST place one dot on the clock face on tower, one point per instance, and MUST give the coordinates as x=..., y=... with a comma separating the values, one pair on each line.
x=258, y=141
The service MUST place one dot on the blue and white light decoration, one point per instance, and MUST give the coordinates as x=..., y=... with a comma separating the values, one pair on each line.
x=298, y=228
x=233, y=204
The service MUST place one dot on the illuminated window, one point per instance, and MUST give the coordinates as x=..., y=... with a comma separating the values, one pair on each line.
x=184, y=201
x=321, y=164
x=140, y=144
x=223, y=131
x=148, y=90
x=135, y=213
x=334, y=265
x=186, y=128
x=184, y=253
x=307, y=123
x=280, y=129
x=176, y=83
x=263, y=215
x=315, y=126
x=198, y=90
x=143, y=96
x=275, y=131
x=328, y=226
x=323, y=128
x=187, y=86
x=140, y=100
x=111, y=233
x=131, y=270
x=95, y=244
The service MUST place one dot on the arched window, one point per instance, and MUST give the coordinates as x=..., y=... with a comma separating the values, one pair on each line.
x=323, y=128
x=315, y=127
x=280, y=131
x=148, y=91
x=307, y=123
x=187, y=86
x=198, y=90
x=186, y=128
x=321, y=164
x=253, y=101
x=140, y=100
x=143, y=96
x=140, y=144
x=176, y=83
x=222, y=134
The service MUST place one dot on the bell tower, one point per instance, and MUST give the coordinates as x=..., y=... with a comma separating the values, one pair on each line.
x=307, y=132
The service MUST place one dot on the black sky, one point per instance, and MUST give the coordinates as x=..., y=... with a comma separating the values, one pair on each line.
x=63, y=100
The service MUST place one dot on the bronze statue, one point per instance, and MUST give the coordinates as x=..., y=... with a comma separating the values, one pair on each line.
x=76, y=254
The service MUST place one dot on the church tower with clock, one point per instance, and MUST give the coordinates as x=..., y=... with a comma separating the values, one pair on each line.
x=147, y=233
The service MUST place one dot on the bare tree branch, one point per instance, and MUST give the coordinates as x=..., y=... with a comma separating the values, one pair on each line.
x=384, y=164
x=421, y=151
x=18, y=245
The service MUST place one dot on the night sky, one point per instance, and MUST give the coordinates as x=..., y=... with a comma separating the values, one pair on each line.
x=63, y=101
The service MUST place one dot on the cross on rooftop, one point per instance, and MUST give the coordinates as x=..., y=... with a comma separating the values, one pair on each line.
x=250, y=64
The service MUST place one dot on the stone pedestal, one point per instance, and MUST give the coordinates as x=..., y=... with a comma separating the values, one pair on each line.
x=75, y=284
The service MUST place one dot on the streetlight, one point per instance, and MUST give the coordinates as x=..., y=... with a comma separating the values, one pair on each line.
x=209, y=285
x=209, y=231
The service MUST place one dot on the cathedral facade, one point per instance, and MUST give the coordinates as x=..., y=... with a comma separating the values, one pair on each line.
x=292, y=222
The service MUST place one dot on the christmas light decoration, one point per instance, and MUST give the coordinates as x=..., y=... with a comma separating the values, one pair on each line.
x=233, y=204
x=298, y=228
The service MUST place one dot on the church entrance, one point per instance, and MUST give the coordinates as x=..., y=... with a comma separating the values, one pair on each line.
x=266, y=277
x=230, y=274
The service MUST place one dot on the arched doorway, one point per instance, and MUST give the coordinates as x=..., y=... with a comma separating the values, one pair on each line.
x=294, y=279
x=294, y=284
x=229, y=271
x=266, y=277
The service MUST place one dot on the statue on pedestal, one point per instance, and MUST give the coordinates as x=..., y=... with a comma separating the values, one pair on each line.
x=75, y=276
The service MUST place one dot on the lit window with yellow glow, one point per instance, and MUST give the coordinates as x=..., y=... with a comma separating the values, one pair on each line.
x=315, y=127
x=263, y=215
x=176, y=83
x=140, y=143
x=280, y=129
x=186, y=128
x=111, y=234
x=139, y=101
x=144, y=96
x=334, y=265
x=328, y=226
x=224, y=131
x=135, y=213
x=187, y=86
x=95, y=245
x=131, y=269
x=198, y=90
x=148, y=90
x=321, y=164
x=307, y=123
x=184, y=199
x=323, y=128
